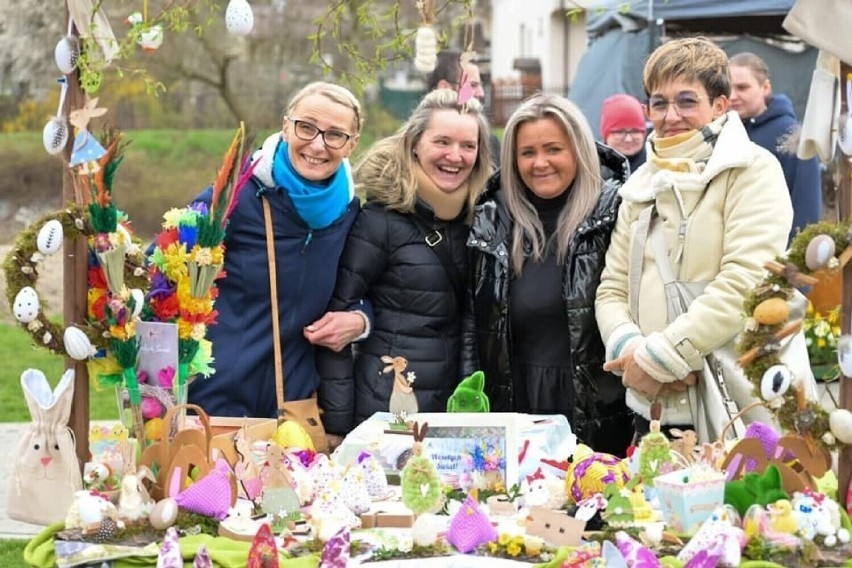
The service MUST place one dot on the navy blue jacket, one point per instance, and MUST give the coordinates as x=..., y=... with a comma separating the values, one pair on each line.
x=244, y=382
x=777, y=131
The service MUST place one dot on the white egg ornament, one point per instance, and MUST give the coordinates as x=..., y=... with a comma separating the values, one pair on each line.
x=425, y=49
x=77, y=344
x=775, y=382
x=138, y=300
x=819, y=251
x=239, y=19
x=164, y=514
x=840, y=423
x=55, y=135
x=49, y=237
x=66, y=53
x=25, y=307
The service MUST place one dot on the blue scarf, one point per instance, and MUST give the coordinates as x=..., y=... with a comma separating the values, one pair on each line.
x=318, y=203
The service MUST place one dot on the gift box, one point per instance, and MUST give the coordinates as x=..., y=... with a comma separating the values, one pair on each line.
x=688, y=500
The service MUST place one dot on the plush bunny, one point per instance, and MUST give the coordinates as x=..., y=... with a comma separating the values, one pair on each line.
x=46, y=472
x=469, y=395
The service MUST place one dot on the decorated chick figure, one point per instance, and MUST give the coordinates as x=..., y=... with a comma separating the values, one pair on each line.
x=781, y=517
x=642, y=510
x=469, y=395
x=421, y=487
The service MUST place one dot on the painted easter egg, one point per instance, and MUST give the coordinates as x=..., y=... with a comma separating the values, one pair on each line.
x=55, y=135
x=49, y=237
x=239, y=18
x=164, y=514
x=775, y=382
x=25, y=307
x=66, y=53
x=820, y=250
x=77, y=344
x=772, y=311
x=840, y=422
x=591, y=472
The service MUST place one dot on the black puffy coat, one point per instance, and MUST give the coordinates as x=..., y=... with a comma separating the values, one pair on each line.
x=416, y=315
x=600, y=417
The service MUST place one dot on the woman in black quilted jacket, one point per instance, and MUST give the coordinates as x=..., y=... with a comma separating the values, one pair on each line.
x=406, y=257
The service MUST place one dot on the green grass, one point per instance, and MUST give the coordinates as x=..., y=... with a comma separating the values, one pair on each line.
x=12, y=553
x=17, y=354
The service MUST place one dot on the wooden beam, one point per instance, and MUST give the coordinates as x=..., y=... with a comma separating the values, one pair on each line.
x=844, y=473
x=74, y=268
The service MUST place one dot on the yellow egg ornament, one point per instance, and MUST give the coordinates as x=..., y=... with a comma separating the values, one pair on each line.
x=291, y=435
x=153, y=429
x=773, y=311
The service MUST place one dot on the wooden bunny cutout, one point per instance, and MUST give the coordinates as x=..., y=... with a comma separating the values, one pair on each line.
x=402, y=399
x=87, y=150
x=246, y=470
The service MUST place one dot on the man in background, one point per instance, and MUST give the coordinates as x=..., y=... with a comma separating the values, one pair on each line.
x=448, y=74
x=771, y=122
x=623, y=127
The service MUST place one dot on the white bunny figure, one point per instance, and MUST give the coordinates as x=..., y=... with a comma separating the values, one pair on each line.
x=46, y=472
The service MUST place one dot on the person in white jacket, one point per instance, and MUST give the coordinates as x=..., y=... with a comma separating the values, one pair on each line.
x=720, y=210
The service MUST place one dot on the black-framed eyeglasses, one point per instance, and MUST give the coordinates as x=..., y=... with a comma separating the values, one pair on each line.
x=332, y=138
x=685, y=105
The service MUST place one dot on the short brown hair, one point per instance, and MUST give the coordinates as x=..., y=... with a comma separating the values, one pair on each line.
x=692, y=59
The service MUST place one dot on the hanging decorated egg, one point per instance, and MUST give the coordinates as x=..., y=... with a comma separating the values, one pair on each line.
x=66, y=53
x=239, y=18
x=138, y=300
x=775, y=382
x=151, y=39
x=49, y=237
x=773, y=311
x=55, y=135
x=820, y=250
x=77, y=344
x=425, y=49
x=25, y=307
x=840, y=422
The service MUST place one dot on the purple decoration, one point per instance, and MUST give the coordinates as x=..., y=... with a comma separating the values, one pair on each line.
x=635, y=554
x=768, y=438
x=364, y=455
x=335, y=553
x=202, y=558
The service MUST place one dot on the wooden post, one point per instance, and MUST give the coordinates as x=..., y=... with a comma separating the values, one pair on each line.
x=74, y=278
x=845, y=209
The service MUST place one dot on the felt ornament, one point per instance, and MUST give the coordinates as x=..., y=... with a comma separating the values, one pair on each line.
x=720, y=530
x=421, y=487
x=374, y=476
x=324, y=474
x=354, y=491
x=590, y=472
x=635, y=554
x=263, y=552
x=212, y=495
x=402, y=399
x=469, y=395
x=655, y=452
x=619, y=509
x=329, y=514
x=170, y=556
x=335, y=553
x=768, y=438
x=755, y=488
x=470, y=527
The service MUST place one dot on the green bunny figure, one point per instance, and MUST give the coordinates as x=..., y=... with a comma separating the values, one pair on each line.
x=470, y=395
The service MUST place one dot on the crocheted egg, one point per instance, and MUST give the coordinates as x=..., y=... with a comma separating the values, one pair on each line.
x=291, y=435
x=772, y=311
x=591, y=471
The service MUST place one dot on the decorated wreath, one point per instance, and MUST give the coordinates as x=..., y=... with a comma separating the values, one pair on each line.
x=767, y=324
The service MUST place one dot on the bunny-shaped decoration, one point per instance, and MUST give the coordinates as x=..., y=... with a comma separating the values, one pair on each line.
x=46, y=472
x=246, y=469
x=278, y=492
x=402, y=397
x=470, y=395
x=133, y=500
x=87, y=150
x=421, y=488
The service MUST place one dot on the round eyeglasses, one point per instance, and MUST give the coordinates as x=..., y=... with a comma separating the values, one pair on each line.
x=686, y=104
x=332, y=138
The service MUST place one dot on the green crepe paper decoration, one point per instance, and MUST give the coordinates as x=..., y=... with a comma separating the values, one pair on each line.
x=421, y=487
x=470, y=395
x=755, y=489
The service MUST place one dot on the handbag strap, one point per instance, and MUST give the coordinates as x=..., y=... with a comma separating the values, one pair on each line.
x=435, y=240
x=273, y=296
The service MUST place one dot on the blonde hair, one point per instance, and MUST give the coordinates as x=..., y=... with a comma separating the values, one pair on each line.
x=691, y=59
x=583, y=194
x=392, y=158
x=334, y=93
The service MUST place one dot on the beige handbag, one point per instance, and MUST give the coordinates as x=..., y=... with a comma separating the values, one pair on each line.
x=824, y=24
x=306, y=413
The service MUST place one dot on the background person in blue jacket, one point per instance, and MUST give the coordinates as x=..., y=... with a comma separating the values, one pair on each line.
x=770, y=121
x=304, y=174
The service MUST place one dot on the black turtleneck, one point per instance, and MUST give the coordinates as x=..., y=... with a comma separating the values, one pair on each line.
x=539, y=323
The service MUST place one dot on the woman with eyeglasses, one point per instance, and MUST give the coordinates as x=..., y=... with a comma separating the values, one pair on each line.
x=623, y=128
x=709, y=205
x=304, y=175
x=537, y=250
x=406, y=256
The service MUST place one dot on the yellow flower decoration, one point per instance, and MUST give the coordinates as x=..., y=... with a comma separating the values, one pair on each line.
x=172, y=218
x=513, y=549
